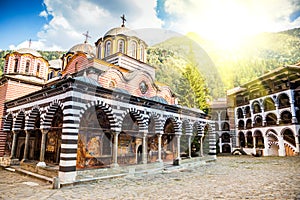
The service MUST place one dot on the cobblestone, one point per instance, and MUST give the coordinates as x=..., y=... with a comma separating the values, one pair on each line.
x=239, y=177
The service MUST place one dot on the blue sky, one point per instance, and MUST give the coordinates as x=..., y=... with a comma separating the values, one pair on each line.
x=58, y=25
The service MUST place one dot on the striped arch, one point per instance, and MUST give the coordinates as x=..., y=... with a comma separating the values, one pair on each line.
x=142, y=122
x=34, y=113
x=271, y=132
x=176, y=124
x=157, y=122
x=20, y=120
x=197, y=126
x=50, y=111
x=8, y=122
x=187, y=126
x=107, y=110
x=284, y=129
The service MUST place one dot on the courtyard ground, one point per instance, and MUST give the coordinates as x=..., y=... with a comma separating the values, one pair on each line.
x=230, y=177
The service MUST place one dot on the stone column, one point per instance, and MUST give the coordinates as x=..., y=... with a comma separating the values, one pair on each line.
x=220, y=144
x=145, y=148
x=115, y=155
x=201, y=145
x=43, y=149
x=277, y=113
x=292, y=103
x=159, y=147
x=246, y=140
x=254, y=144
x=266, y=149
x=178, y=146
x=26, y=148
x=189, y=146
x=281, y=151
x=14, y=145
x=238, y=141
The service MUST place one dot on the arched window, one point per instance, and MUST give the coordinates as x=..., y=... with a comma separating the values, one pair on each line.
x=256, y=107
x=27, y=66
x=269, y=104
x=247, y=112
x=248, y=124
x=286, y=117
x=38, y=69
x=142, y=53
x=283, y=100
x=271, y=119
x=241, y=125
x=239, y=113
x=16, y=65
x=133, y=49
x=121, y=46
x=107, y=48
x=258, y=121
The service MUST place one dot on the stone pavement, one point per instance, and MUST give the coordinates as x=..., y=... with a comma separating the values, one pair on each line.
x=232, y=177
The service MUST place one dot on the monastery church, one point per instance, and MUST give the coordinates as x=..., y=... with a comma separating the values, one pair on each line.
x=96, y=107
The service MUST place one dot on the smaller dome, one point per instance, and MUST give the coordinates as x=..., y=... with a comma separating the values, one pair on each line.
x=85, y=48
x=29, y=51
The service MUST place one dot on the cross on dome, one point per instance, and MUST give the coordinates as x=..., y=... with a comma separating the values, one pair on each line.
x=86, y=36
x=123, y=20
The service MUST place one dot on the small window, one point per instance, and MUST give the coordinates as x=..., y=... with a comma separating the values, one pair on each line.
x=38, y=69
x=133, y=49
x=107, y=48
x=16, y=65
x=27, y=66
x=121, y=46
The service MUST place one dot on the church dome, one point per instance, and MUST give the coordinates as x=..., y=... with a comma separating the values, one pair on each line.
x=84, y=47
x=29, y=51
x=117, y=31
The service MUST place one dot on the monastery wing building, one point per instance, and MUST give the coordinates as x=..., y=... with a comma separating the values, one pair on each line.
x=265, y=113
x=99, y=106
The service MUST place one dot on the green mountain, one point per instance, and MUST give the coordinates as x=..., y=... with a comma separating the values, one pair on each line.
x=224, y=68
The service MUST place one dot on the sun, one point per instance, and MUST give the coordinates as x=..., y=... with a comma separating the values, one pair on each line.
x=228, y=25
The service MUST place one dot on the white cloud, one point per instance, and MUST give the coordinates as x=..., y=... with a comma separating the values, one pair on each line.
x=43, y=14
x=70, y=19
